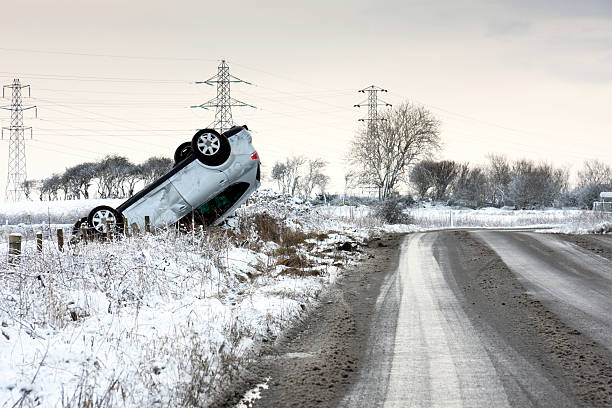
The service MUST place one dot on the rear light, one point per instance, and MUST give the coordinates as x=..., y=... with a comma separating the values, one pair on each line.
x=255, y=156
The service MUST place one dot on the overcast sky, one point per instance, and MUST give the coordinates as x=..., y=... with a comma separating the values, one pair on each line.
x=524, y=78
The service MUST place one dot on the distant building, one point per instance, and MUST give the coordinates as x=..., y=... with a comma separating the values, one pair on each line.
x=604, y=203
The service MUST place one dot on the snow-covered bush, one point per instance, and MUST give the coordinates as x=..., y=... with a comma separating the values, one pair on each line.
x=392, y=211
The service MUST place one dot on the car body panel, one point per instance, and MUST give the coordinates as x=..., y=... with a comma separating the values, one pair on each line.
x=163, y=205
x=197, y=182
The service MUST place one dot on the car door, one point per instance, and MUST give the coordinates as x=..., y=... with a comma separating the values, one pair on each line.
x=164, y=205
x=197, y=183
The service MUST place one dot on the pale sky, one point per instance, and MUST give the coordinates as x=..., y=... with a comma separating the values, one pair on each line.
x=525, y=78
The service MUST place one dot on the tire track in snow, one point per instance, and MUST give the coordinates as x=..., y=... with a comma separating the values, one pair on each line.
x=439, y=361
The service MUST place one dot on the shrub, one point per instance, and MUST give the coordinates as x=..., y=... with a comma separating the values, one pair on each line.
x=392, y=211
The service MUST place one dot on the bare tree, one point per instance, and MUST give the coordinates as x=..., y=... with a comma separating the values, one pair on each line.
x=131, y=176
x=28, y=187
x=314, y=177
x=536, y=185
x=434, y=177
x=350, y=182
x=443, y=174
x=112, y=172
x=287, y=174
x=279, y=173
x=594, y=172
x=154, y=167
x=421, y=179
x=50, y=187
x=471, y=186
x=594, y=177
x=407, y=133
x=78, y=179
x=499, y=174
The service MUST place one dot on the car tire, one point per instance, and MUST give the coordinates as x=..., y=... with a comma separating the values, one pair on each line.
x=211, y=148
x=182, y=152
x=98, y=216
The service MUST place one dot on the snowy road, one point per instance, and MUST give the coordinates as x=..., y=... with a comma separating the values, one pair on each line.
x=451, y=350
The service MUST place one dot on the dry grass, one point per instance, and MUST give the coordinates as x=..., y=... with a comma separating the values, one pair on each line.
x=294, y=261
x=302, y=273
x=269, y=229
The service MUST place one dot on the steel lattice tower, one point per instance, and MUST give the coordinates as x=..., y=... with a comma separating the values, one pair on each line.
x=223, y=102
x=17, y=157
x=372, y=103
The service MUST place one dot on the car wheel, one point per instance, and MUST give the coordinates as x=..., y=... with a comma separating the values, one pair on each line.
x=98, y=216
x=182, y=152
x=210, y=147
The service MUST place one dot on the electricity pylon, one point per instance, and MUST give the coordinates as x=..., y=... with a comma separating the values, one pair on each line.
x=15, y=189
x=223, y=102
x=372, y=103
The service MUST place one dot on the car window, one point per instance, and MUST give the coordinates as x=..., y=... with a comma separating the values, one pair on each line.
x=208, y=212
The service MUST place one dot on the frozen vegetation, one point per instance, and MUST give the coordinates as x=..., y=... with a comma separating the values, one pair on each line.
x=169, y=319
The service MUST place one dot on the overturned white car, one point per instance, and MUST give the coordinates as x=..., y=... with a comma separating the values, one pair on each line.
x=213, y=174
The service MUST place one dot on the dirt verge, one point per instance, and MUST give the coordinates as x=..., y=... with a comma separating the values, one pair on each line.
x=316, y=360
x=600, y=244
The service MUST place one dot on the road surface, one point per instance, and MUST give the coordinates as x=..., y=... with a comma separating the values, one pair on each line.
x=457, y=319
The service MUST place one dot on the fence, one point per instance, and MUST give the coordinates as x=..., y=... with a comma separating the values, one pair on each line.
x=16, y=240
x=604, y=206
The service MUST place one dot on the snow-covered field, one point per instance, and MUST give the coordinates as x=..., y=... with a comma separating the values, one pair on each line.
x=170, y=318
x=570, y=220
x=441, y=216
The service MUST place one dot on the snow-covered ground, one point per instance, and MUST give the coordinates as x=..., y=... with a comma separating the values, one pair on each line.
x=169, y=318
x=568, y=220
x=161, y=319
x=572, y=221
x=50, y=212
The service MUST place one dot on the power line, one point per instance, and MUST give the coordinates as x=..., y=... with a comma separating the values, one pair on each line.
x=16, y=178
x=93, y=78
x=223, y=102
x=88, y=54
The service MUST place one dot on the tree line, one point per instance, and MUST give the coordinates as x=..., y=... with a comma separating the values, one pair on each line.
x=399, y=148
x=522, y=183
x=111, y=177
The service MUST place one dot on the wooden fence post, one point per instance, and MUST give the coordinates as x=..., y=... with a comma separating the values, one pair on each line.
x=126, y=227
x=135, y=229
x=147, y=224
x=60, y=239
x=109, y=235
x=14, y=248
x=84, y=233
x=39, y=241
